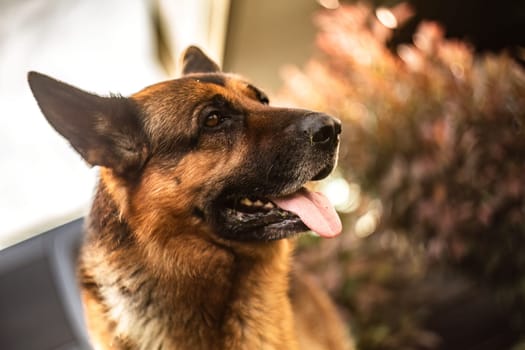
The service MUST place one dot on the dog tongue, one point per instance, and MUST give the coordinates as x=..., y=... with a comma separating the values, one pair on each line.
x=315, y=211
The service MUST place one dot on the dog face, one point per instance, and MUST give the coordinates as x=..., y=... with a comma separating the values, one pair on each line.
x=205, y=151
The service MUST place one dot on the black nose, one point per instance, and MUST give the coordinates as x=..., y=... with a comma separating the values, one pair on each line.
x=320, y=129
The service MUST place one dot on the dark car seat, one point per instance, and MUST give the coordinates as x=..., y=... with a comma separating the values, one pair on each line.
x=39, y=299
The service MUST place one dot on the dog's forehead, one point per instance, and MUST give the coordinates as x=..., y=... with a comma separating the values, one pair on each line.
x=195, y=88
x=228, y=84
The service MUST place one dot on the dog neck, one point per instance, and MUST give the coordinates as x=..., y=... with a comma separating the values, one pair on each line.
x=198, y=295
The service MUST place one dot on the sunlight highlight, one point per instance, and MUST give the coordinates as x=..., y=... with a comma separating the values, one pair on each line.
x=329, y=4
x=386, y=17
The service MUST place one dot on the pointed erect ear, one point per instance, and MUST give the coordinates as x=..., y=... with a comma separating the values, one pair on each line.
x=196, y=61
x=106, y=131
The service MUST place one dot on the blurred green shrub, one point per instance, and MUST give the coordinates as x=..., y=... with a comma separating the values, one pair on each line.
x=433, y=155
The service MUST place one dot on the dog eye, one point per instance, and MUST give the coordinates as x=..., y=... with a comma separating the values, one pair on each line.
x=213, y=120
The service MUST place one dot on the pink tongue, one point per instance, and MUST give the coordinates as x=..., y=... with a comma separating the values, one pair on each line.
x=315, y=211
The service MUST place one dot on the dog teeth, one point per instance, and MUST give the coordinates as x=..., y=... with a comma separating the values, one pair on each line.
x=256, y=203
x=246, y=202
x=269, y=205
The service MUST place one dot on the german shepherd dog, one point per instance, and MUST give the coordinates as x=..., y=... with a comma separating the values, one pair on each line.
x=201, y=187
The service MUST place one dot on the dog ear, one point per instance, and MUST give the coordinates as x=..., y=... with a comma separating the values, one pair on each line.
x=105, y=131
x=196, y=61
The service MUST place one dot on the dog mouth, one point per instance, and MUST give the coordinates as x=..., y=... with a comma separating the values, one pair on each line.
x=257, y=218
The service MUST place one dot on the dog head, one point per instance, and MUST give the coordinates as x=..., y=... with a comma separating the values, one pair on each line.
x=202, y=153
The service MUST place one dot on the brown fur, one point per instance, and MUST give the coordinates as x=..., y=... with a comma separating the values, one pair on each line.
x=154, y=273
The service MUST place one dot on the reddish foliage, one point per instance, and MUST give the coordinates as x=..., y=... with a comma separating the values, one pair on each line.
x=435, y=138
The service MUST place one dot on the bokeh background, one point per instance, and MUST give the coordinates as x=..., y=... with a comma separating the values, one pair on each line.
x=431, y=178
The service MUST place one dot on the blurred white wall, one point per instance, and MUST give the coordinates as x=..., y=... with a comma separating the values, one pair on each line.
x=203, y=23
